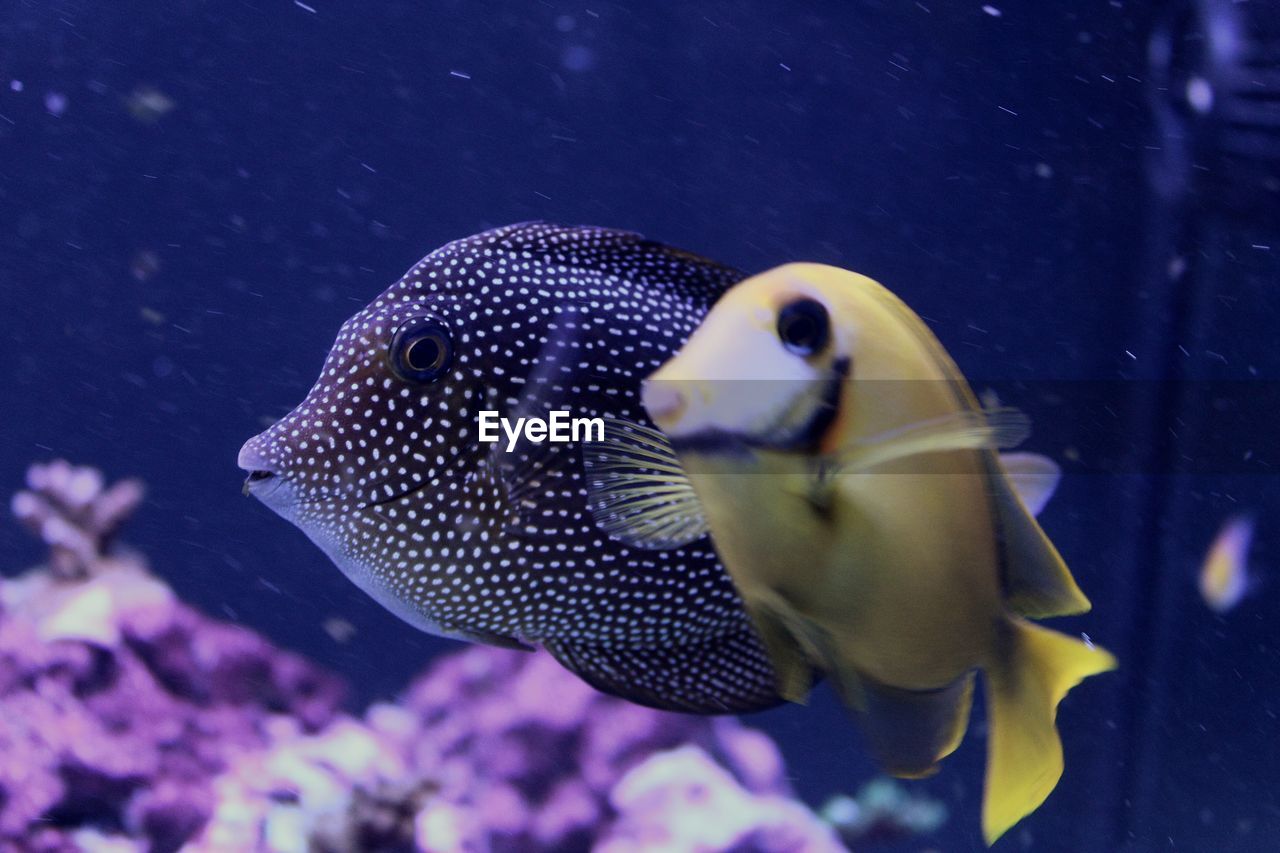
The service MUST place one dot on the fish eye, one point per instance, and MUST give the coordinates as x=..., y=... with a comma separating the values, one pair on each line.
x=421, y=350
x=804, y=327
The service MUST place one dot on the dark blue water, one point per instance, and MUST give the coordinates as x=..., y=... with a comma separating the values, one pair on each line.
x=171, y=283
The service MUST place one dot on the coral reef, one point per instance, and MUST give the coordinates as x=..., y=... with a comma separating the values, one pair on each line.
x=883, y=811
x=73, y=512
x=118, y=703
x=130, y=721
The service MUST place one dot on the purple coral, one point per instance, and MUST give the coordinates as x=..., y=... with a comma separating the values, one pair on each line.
x=118, y=703
x=130, y=721
x=539, y=753
x=74, y=513
x=682, y=800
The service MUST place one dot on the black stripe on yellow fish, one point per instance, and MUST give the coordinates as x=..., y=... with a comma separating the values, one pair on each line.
x=381, y=466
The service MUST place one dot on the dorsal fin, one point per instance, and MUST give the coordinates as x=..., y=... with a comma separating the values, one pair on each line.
x=615, y=252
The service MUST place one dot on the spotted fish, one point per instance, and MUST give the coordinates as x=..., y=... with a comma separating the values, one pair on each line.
x=382, y=468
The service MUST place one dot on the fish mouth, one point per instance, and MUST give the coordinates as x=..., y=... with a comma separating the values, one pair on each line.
x=256, y=477
x=264, y=477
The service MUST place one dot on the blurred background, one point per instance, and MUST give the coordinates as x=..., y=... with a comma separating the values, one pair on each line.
x=194, y=195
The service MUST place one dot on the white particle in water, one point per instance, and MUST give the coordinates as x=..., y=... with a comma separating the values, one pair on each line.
x=1200, y=95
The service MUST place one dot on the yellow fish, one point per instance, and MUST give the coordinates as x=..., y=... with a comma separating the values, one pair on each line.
x=1224, y=577
x=849, y=479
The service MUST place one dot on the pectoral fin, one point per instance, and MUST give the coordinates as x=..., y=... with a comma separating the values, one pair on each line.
x=910, y=731
x=636, y=490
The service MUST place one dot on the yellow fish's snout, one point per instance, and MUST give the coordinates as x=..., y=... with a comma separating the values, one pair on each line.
x=681, y=406
x=664, y=401
x=755, y=366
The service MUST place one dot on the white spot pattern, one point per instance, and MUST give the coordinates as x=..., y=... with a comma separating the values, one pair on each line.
x=388, y=477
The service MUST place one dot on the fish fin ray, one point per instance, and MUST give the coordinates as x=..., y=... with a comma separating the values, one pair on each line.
x=1035, y=668
x=636, y=490
x=964, y=429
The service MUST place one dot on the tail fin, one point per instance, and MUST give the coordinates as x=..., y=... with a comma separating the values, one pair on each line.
x=1024, y=756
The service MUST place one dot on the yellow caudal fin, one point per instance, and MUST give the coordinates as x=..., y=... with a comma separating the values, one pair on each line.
x=1035, y=669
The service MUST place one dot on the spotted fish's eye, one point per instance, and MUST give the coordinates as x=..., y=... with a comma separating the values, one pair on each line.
x=804, y=327
x=421, y=350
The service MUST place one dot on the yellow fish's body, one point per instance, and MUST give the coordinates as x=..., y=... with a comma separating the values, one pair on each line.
x=850, y=482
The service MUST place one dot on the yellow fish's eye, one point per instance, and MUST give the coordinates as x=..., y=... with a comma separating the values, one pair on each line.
x=804, y=327
x=421, y=350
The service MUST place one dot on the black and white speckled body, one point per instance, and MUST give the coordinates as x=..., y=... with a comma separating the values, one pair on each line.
x=389, y=478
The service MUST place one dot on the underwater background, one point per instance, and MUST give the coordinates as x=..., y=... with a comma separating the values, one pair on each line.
x=196, y=195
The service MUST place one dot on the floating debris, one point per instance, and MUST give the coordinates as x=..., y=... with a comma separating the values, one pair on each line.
x=55, y=103
x=339, y=629
x=144, y=264
x=148, y=104
x=1224, y=575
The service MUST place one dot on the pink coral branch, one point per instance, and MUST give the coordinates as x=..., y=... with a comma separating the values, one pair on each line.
x=69, y=508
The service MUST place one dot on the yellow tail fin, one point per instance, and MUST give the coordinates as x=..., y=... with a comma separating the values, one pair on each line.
x=1024, y=755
